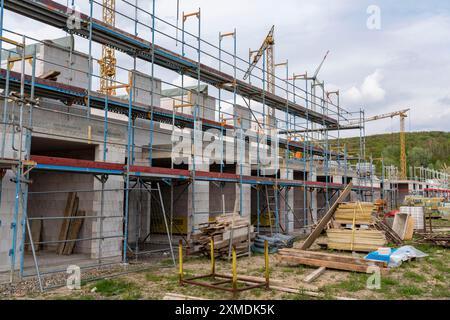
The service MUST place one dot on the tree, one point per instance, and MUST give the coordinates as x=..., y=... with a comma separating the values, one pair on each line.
x=418, y=157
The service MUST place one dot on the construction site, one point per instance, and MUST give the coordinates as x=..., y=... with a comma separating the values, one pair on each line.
x=237, y=173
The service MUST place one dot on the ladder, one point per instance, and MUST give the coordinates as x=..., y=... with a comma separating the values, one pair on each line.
x=272, y=206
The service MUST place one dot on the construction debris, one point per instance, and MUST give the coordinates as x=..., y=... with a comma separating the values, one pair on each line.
x=226, y=231
x=314, y=275
x=442, y=239
x=330, y=261
x=277, y=241
x=403, y=226
x=390, y=234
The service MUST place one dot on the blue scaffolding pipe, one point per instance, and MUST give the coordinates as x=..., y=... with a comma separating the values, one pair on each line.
x=150, y=156
x=27, y=176
x=127, y=178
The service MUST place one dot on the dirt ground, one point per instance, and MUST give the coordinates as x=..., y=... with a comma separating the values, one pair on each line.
x=427, y=278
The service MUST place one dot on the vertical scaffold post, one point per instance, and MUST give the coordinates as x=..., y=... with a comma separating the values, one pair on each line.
x=150, y=156
x=27, y=157
x=91, y=14
x=127, y=176
x=266, y=263
x=234, y=271
x=213, y=262
x=19, y=166
x=197, y=123
x=180, y=261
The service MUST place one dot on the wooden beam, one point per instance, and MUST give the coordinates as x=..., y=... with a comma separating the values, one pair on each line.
x=322, y=224
x=70, y=205
x=330, y=264
x=314, y=275
x=329, y=257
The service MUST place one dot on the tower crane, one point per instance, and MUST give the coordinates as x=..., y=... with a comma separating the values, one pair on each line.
x=108, y=61
x=267, y=47
x=403, y=114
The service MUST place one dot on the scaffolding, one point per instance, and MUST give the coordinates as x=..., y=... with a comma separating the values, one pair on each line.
x=125, y=158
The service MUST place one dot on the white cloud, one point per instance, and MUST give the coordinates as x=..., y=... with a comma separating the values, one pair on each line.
x=370, y=90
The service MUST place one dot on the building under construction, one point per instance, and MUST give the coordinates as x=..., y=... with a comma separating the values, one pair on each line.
x=104, y=159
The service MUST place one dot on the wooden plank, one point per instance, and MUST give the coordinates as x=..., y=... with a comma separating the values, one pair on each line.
x=74, y=230
x=71, y=198
x=314, y=275
x=329, y=264
x=329, y=257
x=322, y=224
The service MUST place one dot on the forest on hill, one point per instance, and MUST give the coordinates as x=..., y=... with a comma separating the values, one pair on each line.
x=427, y=149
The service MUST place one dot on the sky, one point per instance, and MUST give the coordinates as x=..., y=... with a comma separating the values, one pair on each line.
x=384, y=55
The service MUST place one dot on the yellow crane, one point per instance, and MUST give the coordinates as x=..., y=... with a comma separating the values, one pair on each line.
x=267, y=47
x=403, y=114
x=108, y=61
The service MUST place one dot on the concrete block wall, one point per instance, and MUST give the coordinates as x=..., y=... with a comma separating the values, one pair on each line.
x=73, y=67
x=299, y=219
x=142, y=88
x=287, y=202
x=215, y=198
x=48, y=197
x=113, y=206
x=7, y=203
x=7, y=206
x=198, y=200
x=246, y=199
x=207, y=105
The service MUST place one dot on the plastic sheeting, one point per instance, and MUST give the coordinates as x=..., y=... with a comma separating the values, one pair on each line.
x=405, y=253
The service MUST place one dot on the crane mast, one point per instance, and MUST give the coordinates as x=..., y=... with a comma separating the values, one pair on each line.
x=267, y=47
x=108, y=61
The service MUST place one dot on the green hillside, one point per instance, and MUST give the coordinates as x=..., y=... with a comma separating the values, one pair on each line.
x=427, y=149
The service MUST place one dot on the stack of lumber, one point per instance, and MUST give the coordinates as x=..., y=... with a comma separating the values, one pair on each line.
x=354, y=228
x=226, y=229
x=329, y=261
x=71, y=225
x=357, y=212
x=355, y=240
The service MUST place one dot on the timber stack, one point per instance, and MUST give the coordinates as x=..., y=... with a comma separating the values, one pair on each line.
x=353, y=228
x=225, y=230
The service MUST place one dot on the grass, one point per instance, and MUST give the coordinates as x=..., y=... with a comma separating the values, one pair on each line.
x=410, y=291
x=440, y=291
x=116, y=287
x=411, y=275
x=153, y=277
x=439, y=277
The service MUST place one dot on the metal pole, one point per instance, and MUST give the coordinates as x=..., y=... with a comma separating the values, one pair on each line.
x=127, y=177
x=19, y=166
x=27, y=156
x=152, y=83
